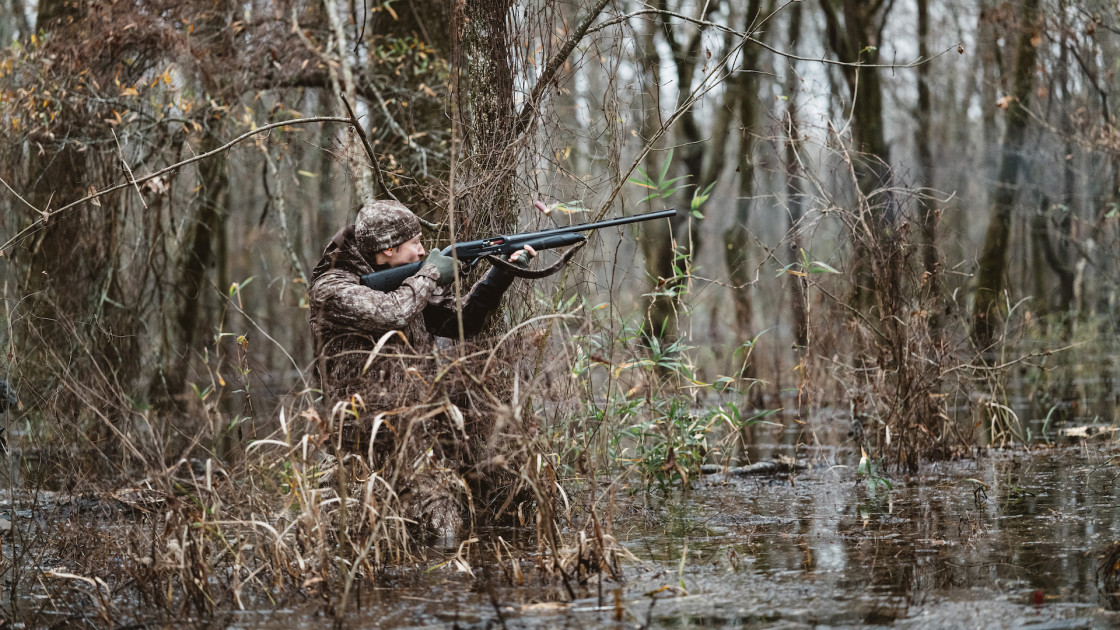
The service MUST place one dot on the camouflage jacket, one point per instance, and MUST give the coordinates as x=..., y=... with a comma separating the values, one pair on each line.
x=348, y=319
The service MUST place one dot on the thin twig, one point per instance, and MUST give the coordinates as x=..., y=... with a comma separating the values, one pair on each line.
x=457, y=19
x=1003, y=366
x=358, y=127
x=392, y=122
x=48, y=214
x=550, y=70
x=707, y=84
x=747, y=36
x=128, y=169
x=26, y=202
x=434, y=227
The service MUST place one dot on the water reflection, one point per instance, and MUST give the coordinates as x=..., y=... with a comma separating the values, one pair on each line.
x=1009, y=539
x=1010, y=529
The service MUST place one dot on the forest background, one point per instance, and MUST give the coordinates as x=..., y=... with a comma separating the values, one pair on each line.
x=884, y=207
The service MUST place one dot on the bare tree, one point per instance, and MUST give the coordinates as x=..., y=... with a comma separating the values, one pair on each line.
x=854, y=32
x=743, y=92
x=992, y=272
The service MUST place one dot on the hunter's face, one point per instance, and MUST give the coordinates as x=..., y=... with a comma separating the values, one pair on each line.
x=407, y=252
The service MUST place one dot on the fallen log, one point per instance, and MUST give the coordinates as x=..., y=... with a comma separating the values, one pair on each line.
x=778, y=466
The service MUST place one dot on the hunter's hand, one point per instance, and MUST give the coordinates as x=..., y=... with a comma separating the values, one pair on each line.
x=444, y=264
x=523, y=256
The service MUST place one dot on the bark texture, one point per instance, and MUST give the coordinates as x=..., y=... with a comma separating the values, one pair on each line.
x=991, y=278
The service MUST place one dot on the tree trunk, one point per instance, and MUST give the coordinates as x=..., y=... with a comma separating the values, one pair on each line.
x=1063, y=264
x=854, y=36
x=488, y=121
x=798, y=290
x=203, y=243
x=700, y=160
x=743, y=92
x=931, y=278
x=1038, y=238
x=18, y=22
x=855, y=39
x=70, y=282
x=661, y=309
x=343, y=80
x=992, y=272
x=202, y=249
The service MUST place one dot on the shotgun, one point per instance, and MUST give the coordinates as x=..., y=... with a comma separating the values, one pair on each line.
x=502, y=247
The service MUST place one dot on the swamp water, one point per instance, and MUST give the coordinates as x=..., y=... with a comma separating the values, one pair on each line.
x=1008, y=539
x=1004, y=539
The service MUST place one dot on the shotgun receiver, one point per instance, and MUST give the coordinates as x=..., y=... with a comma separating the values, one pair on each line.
x=502, y=246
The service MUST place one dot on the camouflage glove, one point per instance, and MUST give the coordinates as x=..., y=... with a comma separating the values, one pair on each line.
x=524, y=260
x=444, y=264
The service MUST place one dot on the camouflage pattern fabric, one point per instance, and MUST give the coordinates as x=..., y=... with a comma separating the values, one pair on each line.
x=348, y=320
x=385, y=224
x=380, y=373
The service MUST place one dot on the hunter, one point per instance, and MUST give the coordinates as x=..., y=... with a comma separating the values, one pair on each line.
x=374, y=352
x=348, y=319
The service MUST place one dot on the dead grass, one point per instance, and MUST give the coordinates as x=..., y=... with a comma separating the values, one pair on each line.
x=118, y=509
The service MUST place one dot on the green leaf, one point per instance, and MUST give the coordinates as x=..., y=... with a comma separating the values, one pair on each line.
x=665, y=165
x=201, y=394
x=668, y=185
x=642, y=182
x=723, y=383
x=700, y=196
x=572, y=207
x=819, y=267
x=236, y=287
x=758, y=417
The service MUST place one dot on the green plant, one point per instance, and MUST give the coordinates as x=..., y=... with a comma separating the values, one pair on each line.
x=806, y=267
x=659, y=419
x=868, y=469
x=662, y=188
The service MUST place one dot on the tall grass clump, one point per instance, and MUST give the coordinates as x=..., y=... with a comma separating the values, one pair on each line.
x=901, y=363
x=204, y=509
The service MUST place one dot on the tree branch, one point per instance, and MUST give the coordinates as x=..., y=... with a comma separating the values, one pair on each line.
x=358, y=127
x=47, y=215
x=883, y=22
x=751, y=39
x=553, y=66
x=674, y=45
x=719, y=73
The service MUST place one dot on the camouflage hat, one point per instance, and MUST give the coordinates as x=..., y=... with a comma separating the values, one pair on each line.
x=384, y=224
